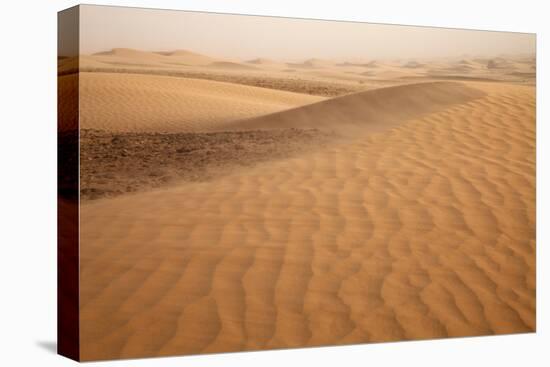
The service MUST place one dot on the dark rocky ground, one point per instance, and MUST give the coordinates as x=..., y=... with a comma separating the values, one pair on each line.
x=112, y=164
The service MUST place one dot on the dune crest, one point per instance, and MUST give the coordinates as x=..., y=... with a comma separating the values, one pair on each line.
x=373, y=110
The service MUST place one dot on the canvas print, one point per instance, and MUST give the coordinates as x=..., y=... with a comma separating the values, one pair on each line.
x=234, y=183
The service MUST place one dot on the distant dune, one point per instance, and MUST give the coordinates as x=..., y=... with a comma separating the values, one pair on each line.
x=372, y=64
x=126, y=56
x=413, y=65
x=262, y=61
x=188, y=58
x=499, y=63
x=459, y=68
x=267, y=64
x=125, y=52
x=312, y=64
x=314, y=73
x=132, y=54
x=354, y=64
x=465, y=62
x=231, y=65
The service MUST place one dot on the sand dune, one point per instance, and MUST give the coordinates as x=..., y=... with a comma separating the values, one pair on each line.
x=312, y=64
x=186, y=57
x=231, y=65
x=499, y=63
x=413, y=65
x=372, y=64
x=392, y=71
x=313, y=76
x=372, y=111
x=423, y=230
x=315, y=86
x=128, y=52
x=462, y=66
x=129, y=56
x=465, y=62
x=151, y=103
x=347, y=64
x=262, y=61
x=132, y=57
x=268, y=64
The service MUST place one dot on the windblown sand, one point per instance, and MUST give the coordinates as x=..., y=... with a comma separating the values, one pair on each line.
x=416, y=221
x=119, y=163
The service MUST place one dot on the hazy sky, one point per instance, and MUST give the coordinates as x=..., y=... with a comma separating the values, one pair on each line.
x=243, y=37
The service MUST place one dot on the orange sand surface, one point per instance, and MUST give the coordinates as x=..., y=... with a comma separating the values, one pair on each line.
x=418, y=222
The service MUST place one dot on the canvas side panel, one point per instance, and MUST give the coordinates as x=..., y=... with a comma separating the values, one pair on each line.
x=68, y=343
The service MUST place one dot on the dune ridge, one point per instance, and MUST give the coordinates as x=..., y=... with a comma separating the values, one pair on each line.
x=373, y=110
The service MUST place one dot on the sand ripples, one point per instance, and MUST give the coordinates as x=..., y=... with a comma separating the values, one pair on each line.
x=426, y=230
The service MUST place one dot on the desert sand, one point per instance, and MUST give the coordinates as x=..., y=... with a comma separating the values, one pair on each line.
x=153, y=103
x=388, y=200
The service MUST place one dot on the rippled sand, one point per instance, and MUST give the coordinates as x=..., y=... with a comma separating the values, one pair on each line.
x=422, y=230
